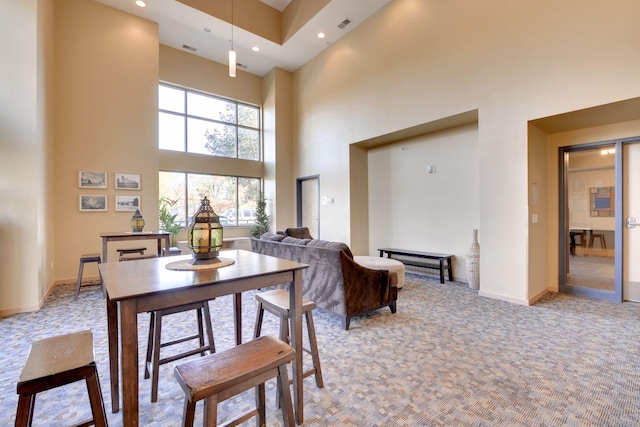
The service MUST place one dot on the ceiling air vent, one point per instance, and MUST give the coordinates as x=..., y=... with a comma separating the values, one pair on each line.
x=344, y=23
x=192, y=49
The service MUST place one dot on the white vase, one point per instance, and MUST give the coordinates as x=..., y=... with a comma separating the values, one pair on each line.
x=473, y=262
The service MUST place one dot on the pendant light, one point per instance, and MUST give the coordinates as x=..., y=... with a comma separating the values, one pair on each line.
x=232, y=53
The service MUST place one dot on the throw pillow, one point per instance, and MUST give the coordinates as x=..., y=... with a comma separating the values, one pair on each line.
x=294, y=241
x=272, y=236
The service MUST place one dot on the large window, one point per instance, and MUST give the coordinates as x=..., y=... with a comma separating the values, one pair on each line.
x=196, y=122
x=232, y=198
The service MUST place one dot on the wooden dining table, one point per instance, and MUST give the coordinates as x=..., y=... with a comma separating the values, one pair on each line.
x=146, y=285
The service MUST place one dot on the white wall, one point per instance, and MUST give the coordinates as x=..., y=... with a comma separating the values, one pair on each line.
x=412, y=209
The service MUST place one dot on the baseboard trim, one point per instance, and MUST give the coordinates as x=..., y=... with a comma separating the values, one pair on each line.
x=501, y=297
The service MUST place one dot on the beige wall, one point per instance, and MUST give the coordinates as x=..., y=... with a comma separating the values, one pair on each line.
x=417, y=61
x=106, y=121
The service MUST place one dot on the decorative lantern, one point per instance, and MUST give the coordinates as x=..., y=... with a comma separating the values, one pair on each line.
x=137, y=222
x=205, y=235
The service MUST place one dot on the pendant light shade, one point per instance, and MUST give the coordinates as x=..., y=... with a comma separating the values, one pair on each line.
x=232, y=63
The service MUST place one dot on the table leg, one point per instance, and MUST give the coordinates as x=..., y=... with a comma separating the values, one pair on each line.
x=237, y=315
x=112, y=336
x=129, y=341
x=450, y=268
x=441, y=270
x=295, y=305
x=104, y=249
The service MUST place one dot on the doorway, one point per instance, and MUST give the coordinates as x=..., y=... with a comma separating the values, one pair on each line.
x=308, y=204
x=597, y=196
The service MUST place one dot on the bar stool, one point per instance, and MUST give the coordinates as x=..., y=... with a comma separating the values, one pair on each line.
x=154, y=343
x=85, y=258
x=219, y=376
x=57, y=361
x=599, y=236
x=277, y=302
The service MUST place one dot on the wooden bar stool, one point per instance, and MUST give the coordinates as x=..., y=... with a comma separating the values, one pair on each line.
x=57, y=361
x=277, y=302
x=85, y=258
x=219, y=376
x=154, y=343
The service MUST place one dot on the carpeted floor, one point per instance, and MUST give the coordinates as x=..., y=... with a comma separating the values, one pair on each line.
x=446, y=358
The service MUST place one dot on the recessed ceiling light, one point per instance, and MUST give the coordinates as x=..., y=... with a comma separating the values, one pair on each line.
x=256, y=49
x=140, y=3
x=321, y=35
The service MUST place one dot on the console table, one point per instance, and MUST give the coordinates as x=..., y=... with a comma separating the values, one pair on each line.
x=415, y=258
x=160, y=236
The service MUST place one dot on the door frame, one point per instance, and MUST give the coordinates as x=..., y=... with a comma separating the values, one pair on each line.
x=563, y=155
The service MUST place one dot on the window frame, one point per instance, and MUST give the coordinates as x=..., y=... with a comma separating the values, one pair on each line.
x=236, y=125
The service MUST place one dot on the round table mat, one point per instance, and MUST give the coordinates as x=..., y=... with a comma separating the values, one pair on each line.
x=184, y=265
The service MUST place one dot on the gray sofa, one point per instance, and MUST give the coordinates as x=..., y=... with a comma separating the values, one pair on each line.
x=333, y=280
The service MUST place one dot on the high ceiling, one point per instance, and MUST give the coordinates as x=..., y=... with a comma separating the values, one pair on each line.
x=187, y=28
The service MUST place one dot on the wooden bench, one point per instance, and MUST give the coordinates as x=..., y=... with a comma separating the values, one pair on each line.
x=444, y=260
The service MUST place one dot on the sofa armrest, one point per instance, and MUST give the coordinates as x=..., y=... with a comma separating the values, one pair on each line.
x=365, y=289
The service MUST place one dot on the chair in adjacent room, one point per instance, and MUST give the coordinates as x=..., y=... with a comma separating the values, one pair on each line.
x=600, y=237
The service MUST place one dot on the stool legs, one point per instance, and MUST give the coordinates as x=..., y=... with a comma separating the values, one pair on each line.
x=154, y=343
x=284, y=336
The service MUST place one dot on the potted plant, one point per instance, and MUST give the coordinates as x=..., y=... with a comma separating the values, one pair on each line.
x=261, y=225
x=168, y=220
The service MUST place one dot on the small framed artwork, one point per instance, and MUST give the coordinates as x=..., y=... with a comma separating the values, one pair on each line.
x=127, y=203
x=92, y=179
x=602, y=201
x=127, y=181
x=92, y=203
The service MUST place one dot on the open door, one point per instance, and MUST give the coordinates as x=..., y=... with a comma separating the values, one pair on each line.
x=308, y=204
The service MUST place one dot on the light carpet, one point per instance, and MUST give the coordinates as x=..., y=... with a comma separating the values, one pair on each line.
x=447, y=358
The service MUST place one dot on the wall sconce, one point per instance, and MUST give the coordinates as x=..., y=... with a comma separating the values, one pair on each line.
x=205, y=235
x=137, y=222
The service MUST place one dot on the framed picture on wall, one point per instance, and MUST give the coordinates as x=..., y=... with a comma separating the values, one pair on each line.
x=127, y=203
x=602, y=201
x=92, y=203
x=88, y=179
x=127, y=181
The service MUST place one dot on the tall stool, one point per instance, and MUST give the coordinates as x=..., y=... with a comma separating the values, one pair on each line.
x=277, y=302
x=85, y=258
x=154, y=344
x=57, y=361
x=219, y=376
x=599, y=236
